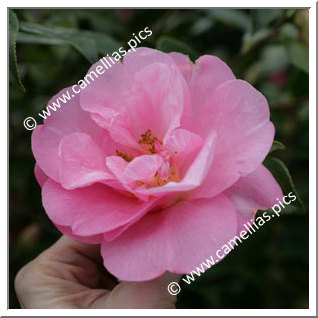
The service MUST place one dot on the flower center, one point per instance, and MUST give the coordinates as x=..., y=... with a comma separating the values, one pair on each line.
x=167, y=171
x=148, y=142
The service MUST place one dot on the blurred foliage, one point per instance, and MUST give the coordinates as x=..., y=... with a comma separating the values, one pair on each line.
x=266, y=47
x=13, y=65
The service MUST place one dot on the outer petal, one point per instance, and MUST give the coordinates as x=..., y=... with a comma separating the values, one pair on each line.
x=240, y=116
x=243, y=221
x=95, y=239
x=257, y=191
x=159, y=204
x=40, y=176
x=176, y=239
x=142, y=57
x=184, y=64
x=46, y=138
x=203, y=77
x=82, y=162
x=92, y=210
x=108, y=90
x=208, y=73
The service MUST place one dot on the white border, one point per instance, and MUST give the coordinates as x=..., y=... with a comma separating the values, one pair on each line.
x=312, y=156
x=312, y=165
x=162, y=4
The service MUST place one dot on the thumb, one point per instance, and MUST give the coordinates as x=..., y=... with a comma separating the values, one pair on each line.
x=146, y=295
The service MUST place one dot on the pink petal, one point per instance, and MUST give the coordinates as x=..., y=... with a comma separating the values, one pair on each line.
x=183, y=141
x=117, y=165
x=107, y=90
x=203, y=77
x=94, y=239
x=184, y=145
x=244, y=222
x=46, y=138
x=161, y=203
x=142, y=57
x=158, y=107
x=184, y=64
x=106, y=97
x=147, y=91
x=45, y=144
x=142, y=168
x=257, y=191
x=176, y=239
x=92, y=210
x=40, y=176
x=118, y=125
x=207, y=74
x=164, y=171
x=240, y=116
x=82, y=162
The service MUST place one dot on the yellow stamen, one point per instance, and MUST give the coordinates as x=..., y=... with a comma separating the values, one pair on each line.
x=148, y=141
x=124, y=156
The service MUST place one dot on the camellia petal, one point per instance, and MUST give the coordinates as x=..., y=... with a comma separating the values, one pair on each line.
x=257, y=191
x=177, y=239
x=240, y=116
x=82, y=162
x=66, y=120
x=40, y=176
x=91, y=210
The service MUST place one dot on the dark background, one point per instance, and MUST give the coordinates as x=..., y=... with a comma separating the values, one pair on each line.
x=267, y=47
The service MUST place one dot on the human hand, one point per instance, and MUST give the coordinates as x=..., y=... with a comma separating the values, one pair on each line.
x=71, y=275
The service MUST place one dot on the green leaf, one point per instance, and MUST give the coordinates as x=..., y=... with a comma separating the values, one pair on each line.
x=86, y=46
x=13, y=64
x=169, y=44
x=88, y=43
x=39, y=39
x=201, y=26
x=298, y=54
x=104, y=43
x=250, y=40
x=283, y=177
x=233, y=17
x=289, y=31
x=44, y=30
x=273, y=59
x=266, y=16
x=82, y=43
x=277, y=145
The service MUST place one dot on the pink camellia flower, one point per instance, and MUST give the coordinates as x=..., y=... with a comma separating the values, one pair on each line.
x=159, y=160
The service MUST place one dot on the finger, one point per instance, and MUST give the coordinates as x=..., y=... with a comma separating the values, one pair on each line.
x=66, y=261
x=74, y=253
x=65, y=243
x=149, y=294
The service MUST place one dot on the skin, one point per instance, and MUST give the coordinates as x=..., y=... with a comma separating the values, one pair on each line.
x=71, y=275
